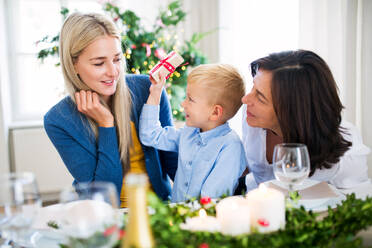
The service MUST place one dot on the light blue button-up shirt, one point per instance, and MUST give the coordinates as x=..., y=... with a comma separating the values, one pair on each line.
x=209, y=163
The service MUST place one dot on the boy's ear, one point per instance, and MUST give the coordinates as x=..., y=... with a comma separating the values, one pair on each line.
x=216, y=113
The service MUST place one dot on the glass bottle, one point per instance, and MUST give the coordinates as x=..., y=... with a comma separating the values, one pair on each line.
x=138, y=231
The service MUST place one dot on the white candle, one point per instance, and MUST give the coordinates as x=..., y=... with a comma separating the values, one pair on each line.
x=201, y=223
x=267, y=208
x=233, y=215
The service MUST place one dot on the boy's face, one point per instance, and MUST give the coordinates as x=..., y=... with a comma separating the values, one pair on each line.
x=197, y=107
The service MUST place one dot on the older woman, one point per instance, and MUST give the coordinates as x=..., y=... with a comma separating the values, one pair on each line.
x=294, y=100
x=94, y=129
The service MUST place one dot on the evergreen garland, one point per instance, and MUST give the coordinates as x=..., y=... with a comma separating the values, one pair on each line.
x=303, y=228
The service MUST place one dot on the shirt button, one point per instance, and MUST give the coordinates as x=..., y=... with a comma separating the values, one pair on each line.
x=186, y=184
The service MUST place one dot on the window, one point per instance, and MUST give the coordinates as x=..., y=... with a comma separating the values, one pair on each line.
x=36, y=86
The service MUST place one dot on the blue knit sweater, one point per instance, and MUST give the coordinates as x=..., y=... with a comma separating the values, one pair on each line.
x=88, y=159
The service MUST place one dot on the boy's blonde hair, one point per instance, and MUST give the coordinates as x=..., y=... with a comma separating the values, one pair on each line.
x=224, y=86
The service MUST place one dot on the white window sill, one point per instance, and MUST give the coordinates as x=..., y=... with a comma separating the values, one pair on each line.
x=26, y=125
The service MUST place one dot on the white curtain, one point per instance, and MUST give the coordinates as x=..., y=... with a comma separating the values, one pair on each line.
x=340, y=32
x=4, y=94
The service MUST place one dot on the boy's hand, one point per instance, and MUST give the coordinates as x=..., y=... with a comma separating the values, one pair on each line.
x=88, y=103
x=155, y=90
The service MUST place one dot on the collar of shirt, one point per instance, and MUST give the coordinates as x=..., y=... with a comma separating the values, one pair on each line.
x=217, y=131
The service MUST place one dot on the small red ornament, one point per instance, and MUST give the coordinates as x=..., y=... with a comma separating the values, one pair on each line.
x=205, y=200
x=110, y=230
x=204, y=245
x=121, y=234
x=263, y=222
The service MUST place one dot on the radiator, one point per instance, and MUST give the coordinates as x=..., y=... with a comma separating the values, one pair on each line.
x=31, y=150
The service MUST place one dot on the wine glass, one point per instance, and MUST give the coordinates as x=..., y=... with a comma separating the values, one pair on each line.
x=291, y=164
x=19, y=203
x=90, y=218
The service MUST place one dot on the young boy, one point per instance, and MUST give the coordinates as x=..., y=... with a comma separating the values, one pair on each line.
x=211, y=156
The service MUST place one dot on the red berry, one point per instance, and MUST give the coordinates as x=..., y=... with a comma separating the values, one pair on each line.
x=263, y=222
x=204, y=245
x=205, y=200
x=109, y=231
x=121, y=233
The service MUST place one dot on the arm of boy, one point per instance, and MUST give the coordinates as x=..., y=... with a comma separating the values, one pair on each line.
x=229, y=166
x=155, y=90
x=150, y=131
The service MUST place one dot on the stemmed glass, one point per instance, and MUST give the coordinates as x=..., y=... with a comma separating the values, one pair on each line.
x=291, y=164
x=90, y=218
x=19, y=203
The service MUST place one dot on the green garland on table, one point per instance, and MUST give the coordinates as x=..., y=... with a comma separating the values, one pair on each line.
x=303, y=228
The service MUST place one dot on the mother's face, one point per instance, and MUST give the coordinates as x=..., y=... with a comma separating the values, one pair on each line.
x=260, y=110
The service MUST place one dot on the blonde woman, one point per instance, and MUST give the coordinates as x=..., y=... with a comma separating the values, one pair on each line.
x=95, y=128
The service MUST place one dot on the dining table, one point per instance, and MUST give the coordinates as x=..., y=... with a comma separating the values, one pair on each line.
x=45, y=237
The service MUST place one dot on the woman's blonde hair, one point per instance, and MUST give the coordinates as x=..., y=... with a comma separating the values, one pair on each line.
x=78, y=31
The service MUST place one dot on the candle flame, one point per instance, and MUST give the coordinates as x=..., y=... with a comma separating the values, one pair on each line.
x=262, y=187
x=202, y=213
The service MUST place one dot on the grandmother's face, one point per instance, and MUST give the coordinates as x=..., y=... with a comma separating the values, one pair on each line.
x=260, y=110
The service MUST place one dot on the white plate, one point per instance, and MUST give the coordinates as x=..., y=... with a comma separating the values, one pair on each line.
x=47, y=239
x=57, y=213
x=318, y=204
x=46, y=214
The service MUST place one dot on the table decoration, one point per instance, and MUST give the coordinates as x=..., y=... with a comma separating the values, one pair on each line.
x=267, y=207
x=234, y=215
x=302, y=228
x=203, y=222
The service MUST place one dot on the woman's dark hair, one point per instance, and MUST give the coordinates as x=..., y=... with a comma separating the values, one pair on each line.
x=306, y=103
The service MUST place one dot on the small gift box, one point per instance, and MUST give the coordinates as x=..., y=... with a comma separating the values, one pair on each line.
x=167, y=65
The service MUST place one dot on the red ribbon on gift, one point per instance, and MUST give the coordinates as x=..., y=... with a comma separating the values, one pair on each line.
x=166, y=65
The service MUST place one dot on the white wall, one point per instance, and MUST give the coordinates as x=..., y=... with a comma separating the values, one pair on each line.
x=366, y=77
x=31, y=150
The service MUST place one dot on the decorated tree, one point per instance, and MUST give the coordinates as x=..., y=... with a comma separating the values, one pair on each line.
x=143, y=49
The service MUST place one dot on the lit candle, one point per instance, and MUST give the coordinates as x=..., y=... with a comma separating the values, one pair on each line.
x=267, y=208
x=201, y=223
x=233, y=215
